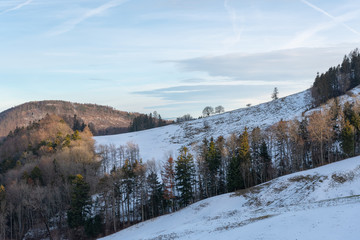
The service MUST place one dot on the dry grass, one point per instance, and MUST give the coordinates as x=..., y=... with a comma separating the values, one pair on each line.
x=341, y=178
x=253, y=190
x=302, y=178
x=243, y=223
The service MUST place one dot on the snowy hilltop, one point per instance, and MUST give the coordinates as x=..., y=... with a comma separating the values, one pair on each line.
x=321, y=203
x=159, y=143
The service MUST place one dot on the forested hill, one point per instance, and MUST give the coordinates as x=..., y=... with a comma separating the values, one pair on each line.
x=337, y=80
x=101, y=120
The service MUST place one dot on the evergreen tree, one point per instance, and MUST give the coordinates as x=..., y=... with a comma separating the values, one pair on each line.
x=220, y=148
x=185, y=177
x=347, y=139
x=275, y=94
x=213, y=160
x=155, y=194
x=266, y=162
x=80, y=202
x=36, y=176
x=234, y=177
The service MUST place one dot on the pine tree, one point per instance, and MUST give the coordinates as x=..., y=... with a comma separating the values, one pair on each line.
x=234, y=178
x=80, y=202
x=266, y=162
x=155, y=194
x=347, y=139
x=213, y=160
x=185, y=177
x=275, y=94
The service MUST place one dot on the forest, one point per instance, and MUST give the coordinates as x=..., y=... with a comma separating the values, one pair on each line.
x=222, y=165
x=337, y=80
x=56, y=184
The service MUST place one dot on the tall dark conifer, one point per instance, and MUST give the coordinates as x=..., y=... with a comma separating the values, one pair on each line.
x=185, y=177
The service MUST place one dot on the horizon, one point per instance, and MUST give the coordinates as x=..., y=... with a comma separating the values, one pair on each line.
x=174, y=57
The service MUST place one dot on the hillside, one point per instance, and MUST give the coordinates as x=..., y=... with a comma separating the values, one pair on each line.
x=160, y=142
x=321, y=203
x=101, y=119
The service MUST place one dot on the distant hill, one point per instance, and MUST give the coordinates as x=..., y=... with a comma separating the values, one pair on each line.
x=102, y=120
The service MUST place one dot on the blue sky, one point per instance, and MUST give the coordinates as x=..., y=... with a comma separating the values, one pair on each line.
x=172, y=56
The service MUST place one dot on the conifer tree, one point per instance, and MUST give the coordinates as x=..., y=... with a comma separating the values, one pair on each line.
x=347, y=139
x=80, y=202
x=155, y=194
x=275, y=94
x=266, y=162
x=213, y=160
x=185, y=177
x=234, y=178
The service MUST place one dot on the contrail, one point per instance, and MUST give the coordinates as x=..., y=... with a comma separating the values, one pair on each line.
x=234, y=18
x=69, y=25
x=330, y=16
x=17, y=7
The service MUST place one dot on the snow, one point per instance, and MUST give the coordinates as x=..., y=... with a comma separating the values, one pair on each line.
x=159, y=143
x=321, y=203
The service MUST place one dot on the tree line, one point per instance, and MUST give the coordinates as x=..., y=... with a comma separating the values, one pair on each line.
x=135, y=191
x=146, y=121
x=337, y=80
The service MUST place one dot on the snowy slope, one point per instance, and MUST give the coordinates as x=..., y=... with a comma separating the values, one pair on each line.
x=321, y=203
x=158, y=143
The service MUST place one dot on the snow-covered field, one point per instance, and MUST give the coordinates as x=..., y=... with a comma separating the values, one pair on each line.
x=159, y=143
x=322, y=203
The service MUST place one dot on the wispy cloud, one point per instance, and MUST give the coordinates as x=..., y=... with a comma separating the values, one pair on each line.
x=16, y=7
x=337, y=20
x=71, y=24
x=234, y=20
x=307, y=34
x=291, y=65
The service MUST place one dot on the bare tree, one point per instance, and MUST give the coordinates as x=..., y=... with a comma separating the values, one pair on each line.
x=219, y=109
x=320, y=131
x=208, y=110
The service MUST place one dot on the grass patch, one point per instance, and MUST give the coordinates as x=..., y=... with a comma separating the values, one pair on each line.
x=243, y=223
x=304, y=178
x=201, y=206
x=341, y=178
x=252, y=190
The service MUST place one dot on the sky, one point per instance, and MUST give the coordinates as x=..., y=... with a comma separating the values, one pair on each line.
x=170, y=56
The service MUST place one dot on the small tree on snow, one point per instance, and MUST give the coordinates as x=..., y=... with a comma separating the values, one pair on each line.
x=208, y=111
x=275, y=94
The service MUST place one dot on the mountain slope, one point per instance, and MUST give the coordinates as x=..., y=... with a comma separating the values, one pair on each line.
x=160, y=142
x=102, y=119
x=321, y=203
